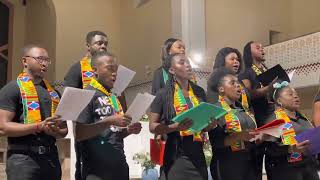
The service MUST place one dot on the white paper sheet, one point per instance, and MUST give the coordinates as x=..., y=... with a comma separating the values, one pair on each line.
x=290, y=74
x=139, y=106
x=124, y=77
x=73, y=101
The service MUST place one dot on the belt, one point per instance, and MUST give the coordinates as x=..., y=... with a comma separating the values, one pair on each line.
x=34, y=149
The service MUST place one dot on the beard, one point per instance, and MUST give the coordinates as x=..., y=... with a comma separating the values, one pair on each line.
x=94, y=51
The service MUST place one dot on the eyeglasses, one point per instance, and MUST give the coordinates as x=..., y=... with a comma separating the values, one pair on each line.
x=41, y=59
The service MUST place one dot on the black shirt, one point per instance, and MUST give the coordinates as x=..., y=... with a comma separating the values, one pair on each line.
x=218, y=134
x=177, y=146
x=261, y=106
x=10, y=100
x=158, y=81
x=106, y=146
x=73, y=77
x=276, y=148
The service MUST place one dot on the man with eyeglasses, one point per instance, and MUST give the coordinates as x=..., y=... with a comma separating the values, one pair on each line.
x=27, y=107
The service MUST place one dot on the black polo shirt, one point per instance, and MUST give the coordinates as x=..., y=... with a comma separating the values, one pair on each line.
x=218, y=135
x=73, y=77
x=276, y=149
x=158, y=81
x=10, y=100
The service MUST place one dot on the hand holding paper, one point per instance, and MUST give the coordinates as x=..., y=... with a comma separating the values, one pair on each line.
x=73, y=101
x=201, y=116
x=273, y=128
x=183, y=125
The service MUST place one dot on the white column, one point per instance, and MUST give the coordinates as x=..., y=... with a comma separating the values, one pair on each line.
x=73, y=159
x=188, y=23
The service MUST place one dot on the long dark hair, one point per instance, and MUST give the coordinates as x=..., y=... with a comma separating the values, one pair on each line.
x=170, y=112
x=166, y=48
x=247, y=55
x=221, y=56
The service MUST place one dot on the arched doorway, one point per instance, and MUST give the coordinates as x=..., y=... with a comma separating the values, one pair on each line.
x=4, y=42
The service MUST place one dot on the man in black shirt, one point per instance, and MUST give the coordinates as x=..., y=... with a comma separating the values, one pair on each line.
x=27, y=107
x=80, y=74
x=96, y=41
x=98, y=127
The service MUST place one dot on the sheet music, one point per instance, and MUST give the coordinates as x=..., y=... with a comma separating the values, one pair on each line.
x=124, y=77
x=139, y=106
x=73, y=101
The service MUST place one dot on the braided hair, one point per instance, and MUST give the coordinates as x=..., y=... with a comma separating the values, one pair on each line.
x=170, y=87
x=247, y=55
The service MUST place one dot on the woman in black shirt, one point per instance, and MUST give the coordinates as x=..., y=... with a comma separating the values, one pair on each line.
x=230, y=59
x=160, y=76
x=285, y=157
x=233, y=154
x=183, y=158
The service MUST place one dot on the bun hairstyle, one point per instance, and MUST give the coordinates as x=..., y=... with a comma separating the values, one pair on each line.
x=278, y=88
x=217, y=76
x=166, y=48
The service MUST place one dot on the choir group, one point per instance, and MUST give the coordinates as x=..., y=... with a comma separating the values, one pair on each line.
x=28, y=104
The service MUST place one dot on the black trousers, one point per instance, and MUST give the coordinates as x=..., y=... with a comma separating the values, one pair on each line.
x=78, y=164
x=233, y=169
x=184, y=169
x=30, y=166
x=108, y=173
x=284, y=170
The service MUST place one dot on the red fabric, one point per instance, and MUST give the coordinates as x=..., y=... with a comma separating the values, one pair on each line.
x=272, y=124
x=157, y=151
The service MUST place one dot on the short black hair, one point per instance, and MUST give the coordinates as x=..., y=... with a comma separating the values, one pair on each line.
x=221, y=55
x=91, y=34
x=166, y=48
x=99, y=54
x=216, y=77
x=26, y=49
x=247, y=55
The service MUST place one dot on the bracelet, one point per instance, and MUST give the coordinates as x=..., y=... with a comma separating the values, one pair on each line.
x=38, y=128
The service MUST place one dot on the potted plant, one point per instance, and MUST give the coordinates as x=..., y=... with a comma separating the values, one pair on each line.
x=149, y=171
x=207, y=150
